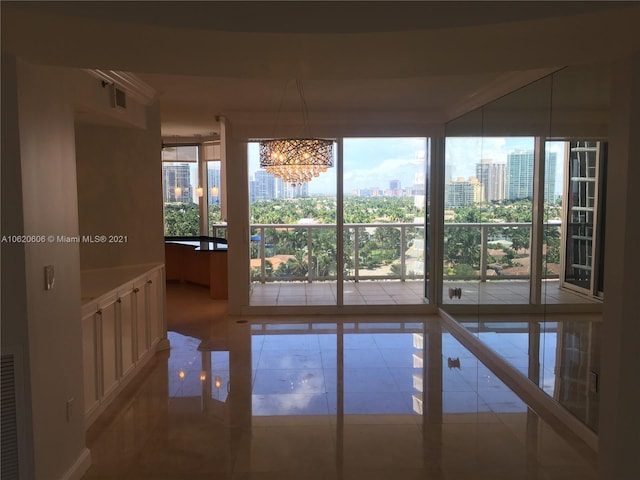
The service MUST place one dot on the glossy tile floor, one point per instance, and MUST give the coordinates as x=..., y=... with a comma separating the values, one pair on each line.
x=317, y=398
x=409, y=292
x=558, y=352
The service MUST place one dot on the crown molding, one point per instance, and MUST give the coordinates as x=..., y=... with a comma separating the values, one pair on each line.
x=130, y=83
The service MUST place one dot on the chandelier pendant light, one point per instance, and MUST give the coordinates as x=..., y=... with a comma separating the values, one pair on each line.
x=297, y=160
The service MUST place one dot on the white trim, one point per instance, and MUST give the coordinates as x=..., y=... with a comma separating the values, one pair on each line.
x=340, y=221
x=130, y=83
x=179, y=140
x=537, y=399
x=294, y=311
x=79, y=467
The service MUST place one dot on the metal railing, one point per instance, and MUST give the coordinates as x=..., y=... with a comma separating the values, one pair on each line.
x=485, y=240
x=489, y=234
x=356, y=232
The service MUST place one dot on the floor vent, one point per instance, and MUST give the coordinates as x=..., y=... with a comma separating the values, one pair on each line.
x=8, y=423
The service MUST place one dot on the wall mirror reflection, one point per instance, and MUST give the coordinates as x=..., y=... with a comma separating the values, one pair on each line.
x=523, y=241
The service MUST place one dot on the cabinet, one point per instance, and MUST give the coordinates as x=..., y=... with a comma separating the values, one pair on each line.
x=89, y=357
x=141, y=318
x=127, y=355
x=107, y=343
x=155, y=304
x=120, y=328
x=188, y=263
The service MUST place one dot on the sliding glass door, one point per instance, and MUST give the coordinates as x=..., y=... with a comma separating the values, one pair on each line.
x=294, y=229
x=292, y=249
x=384, y=184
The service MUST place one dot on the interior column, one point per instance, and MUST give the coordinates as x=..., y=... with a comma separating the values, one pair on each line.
x=619, y=419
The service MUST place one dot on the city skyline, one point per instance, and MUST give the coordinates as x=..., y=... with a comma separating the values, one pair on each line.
x=371, y=163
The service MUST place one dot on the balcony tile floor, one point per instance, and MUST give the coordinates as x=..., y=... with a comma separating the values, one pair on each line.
x=269, y=399
x=508, y=292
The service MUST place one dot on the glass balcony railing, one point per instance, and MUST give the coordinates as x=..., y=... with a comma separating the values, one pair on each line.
x=490, y=251
x=389, y=251
x=396, y=251
x=487, y=251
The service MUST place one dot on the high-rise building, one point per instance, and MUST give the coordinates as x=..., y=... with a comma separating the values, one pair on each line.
x=265, y=186
x=418, y=191
x=520, y=170
x=176, y=186
x=395, y=187
x=550, y=195
x=493, y=177
x=286, y=190
x=461, y=192
x=520, y=175
x=419, y=184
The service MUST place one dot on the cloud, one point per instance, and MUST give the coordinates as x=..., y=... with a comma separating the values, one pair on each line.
x=373, y=162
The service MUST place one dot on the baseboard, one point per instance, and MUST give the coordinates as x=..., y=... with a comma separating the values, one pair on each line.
x=537, y=399
x=163, y=344
x=108, y=399
x=79, y=467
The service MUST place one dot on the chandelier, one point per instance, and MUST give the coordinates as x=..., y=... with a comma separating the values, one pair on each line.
x=297, y=160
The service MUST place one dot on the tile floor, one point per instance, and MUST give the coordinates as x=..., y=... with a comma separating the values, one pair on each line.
x=255, y=398
x=559, y=352
x=405, y=293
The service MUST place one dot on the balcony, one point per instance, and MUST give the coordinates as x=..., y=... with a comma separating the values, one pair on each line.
x=372, y=251
x=293, y=264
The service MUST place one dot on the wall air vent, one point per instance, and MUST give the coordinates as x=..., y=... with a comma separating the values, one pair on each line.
x=118, y=97
x=8, y=420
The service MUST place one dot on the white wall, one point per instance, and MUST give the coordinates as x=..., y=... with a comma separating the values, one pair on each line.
x=15, y=339
x=39, y=198
x=619, y=420
x=49, y=204
x=120, y=192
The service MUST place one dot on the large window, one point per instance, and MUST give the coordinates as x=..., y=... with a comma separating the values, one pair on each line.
x=191, y=175
x=179, y=189
x=294, y=229
x=384, y=220
x=293, y=257
x=488, y=201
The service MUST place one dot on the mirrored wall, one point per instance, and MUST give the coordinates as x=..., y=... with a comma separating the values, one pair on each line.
x=525, y=177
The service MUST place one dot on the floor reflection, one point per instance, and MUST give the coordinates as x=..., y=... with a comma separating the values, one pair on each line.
x=353, y=399
x=375, y=373
x=559, y=352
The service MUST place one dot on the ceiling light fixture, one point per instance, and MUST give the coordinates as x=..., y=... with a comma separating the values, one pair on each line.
x=297, y=160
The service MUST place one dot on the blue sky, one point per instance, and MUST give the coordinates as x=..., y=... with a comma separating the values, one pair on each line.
x=369, y=162
x=373, y=162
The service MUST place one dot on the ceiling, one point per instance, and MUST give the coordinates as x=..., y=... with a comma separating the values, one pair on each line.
x=419, y=63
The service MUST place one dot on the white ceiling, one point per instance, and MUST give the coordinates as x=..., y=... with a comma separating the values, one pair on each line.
x=419, y=62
